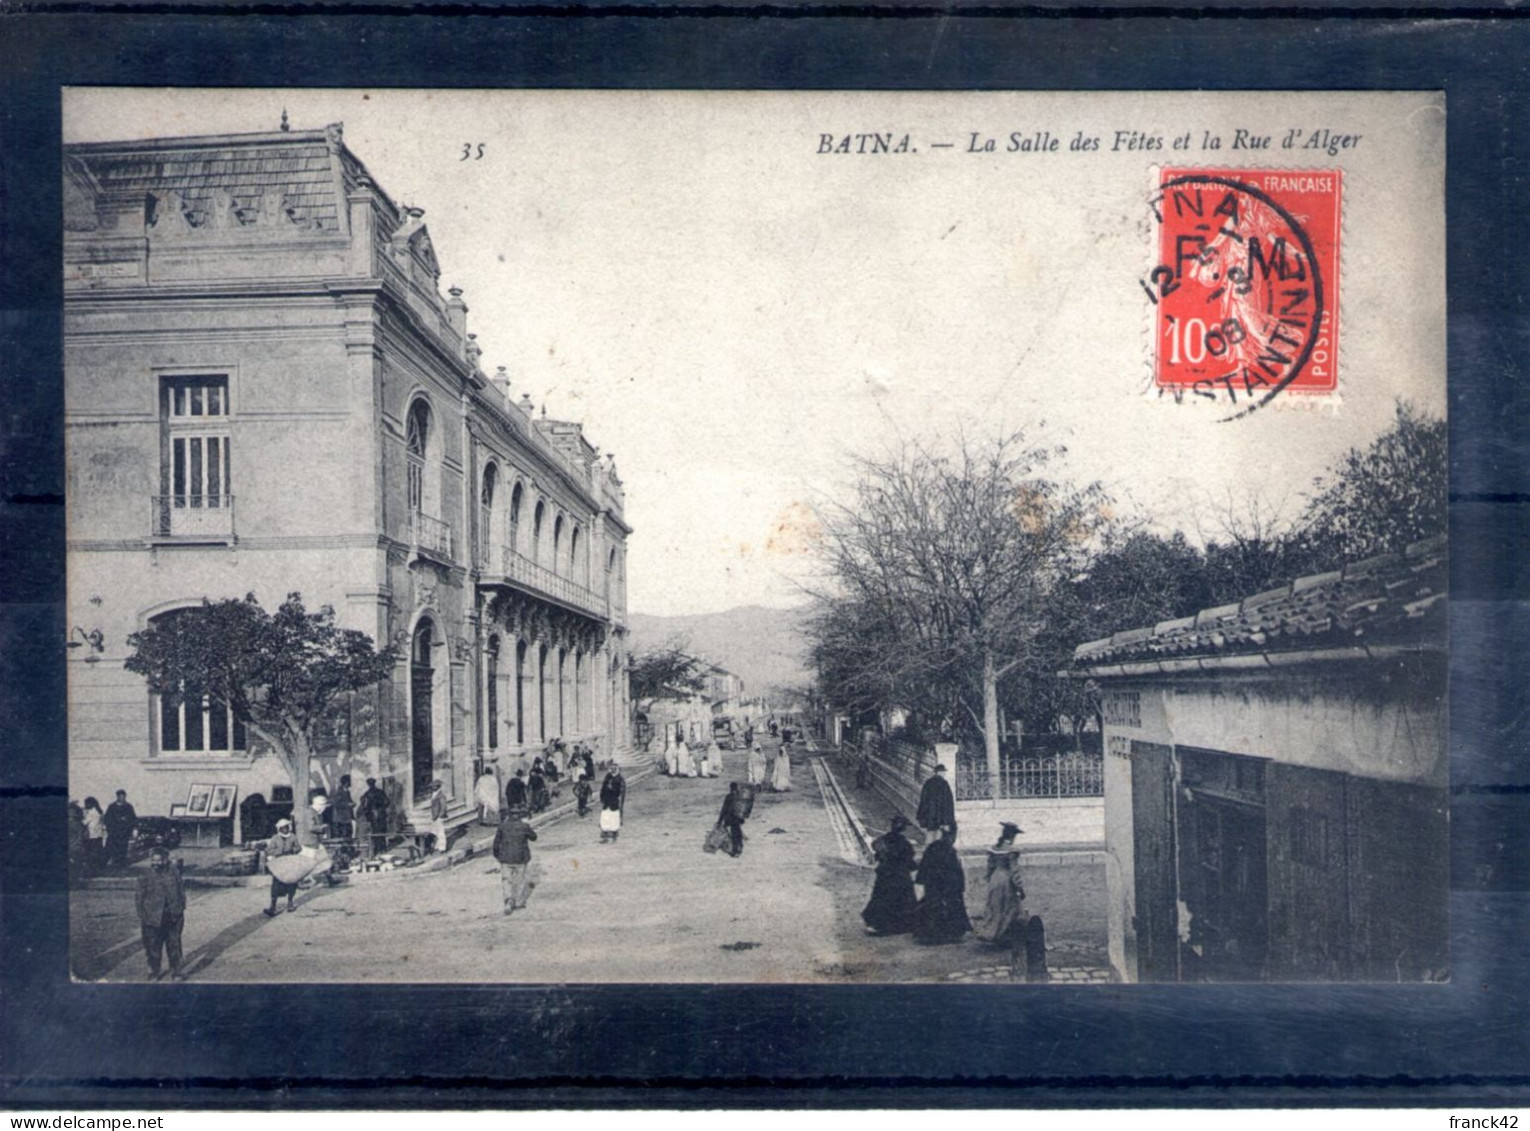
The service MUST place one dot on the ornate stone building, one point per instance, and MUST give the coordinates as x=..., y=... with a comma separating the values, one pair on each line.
x=267, y=392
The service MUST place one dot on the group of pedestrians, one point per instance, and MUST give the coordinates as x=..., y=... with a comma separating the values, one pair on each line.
x=99, y=839
x=770, y=772
x=939, y=915
x=680, y=761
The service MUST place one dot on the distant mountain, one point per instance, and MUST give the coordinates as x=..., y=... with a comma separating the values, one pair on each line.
x=763, y=647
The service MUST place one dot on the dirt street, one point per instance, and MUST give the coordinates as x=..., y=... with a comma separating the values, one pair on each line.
x=652, y=907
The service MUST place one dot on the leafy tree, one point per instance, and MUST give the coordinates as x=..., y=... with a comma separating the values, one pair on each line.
x=950, y=562
x=1133, y=578
x=1382, y=499
x=655, y=673
x=860, y=664
x=280, y=673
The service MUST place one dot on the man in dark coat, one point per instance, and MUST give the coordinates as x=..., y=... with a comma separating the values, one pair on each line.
x=515, y=792
x=538, y=785
x=732, y=818
x=942, y=913
x=613, y=797
x=373, y=810
x=342, y=810
x=893, y=902
x=161, y=903
x=120, y=820
x=937, y=805
x=512, y=848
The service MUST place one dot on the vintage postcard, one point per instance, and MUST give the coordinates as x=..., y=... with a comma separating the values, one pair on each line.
x=696, y=537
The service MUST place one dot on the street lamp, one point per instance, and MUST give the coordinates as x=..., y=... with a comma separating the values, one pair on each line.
x=95, y=638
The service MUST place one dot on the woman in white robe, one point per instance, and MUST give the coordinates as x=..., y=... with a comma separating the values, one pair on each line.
x=486, y=793
x=687, y=763
x=756, y=765
x=781, y=778
x=672, y=760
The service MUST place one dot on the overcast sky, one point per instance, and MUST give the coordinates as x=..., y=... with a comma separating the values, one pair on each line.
x=732, y=312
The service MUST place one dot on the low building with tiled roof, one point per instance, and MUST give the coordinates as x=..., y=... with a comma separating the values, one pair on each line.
x=1275, y=781
x=1395, y=601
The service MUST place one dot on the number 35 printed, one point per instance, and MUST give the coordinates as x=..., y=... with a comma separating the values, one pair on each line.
x=472, y=151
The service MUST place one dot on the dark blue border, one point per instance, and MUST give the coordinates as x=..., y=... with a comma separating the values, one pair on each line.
x=208, y=1046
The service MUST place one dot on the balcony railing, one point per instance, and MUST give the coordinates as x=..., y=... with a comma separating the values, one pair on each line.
x=1052, y=775
x=193, y=517
x=431, y=535
x=522, y=571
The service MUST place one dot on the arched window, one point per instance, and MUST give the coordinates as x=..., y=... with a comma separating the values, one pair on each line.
x=557, y=542
x=491, y=692
x=416, y=439
x=486, y=525
x=536, y=532
x=192, y=722
x=573, y=556
x=610, y=571
x=515, y=518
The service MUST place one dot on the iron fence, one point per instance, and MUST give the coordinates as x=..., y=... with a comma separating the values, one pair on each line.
x=525, y=572
x=430, y=533
x=1052, y=775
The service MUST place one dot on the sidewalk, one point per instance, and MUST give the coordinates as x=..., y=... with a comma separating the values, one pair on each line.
x=476, y=840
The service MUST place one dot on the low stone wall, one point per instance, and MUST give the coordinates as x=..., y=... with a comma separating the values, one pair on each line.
x=1049, y=822
x=898, y=770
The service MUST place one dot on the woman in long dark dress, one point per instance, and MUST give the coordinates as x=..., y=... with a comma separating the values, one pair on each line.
x=893, y=902
x=942, y=914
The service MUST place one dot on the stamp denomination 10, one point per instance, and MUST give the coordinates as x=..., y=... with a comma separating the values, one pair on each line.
x=1245, y=284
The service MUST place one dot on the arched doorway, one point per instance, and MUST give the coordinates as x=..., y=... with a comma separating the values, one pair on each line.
x=491, y=694
x=520, y=691
x=421, y=710
x=542, y=693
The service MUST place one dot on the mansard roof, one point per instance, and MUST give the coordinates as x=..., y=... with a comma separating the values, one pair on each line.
x=308, y=171
x=1393, y=600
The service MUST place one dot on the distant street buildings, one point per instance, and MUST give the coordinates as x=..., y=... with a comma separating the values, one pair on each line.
x=266, y=392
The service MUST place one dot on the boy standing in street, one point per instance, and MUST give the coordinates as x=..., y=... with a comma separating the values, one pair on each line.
x=512, y=848
x=161, y=903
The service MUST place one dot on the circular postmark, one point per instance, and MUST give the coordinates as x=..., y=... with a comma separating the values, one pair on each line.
x=1239, y=284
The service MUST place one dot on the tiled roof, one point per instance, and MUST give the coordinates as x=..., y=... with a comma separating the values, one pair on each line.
x=1396, y=599
x=301, y=166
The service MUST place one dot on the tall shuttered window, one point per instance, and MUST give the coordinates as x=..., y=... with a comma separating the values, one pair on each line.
x=197, y=496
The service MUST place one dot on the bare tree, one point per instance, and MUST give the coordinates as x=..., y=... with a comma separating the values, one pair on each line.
x=951, y=560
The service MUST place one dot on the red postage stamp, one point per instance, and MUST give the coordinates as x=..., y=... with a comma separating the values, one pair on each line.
x=1246, y=284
